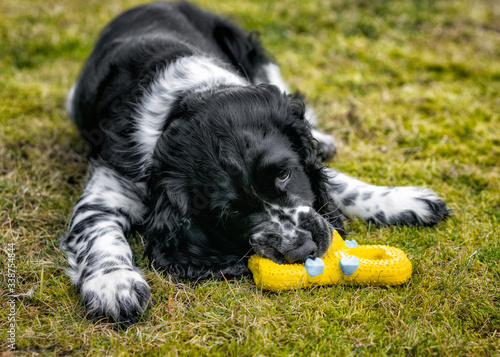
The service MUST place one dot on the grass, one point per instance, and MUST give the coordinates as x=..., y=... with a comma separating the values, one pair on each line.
x=411, y=91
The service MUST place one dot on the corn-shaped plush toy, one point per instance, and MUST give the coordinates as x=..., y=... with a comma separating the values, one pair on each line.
x=345, y=262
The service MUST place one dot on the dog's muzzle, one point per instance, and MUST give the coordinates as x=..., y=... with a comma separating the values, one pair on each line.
x=292, y=235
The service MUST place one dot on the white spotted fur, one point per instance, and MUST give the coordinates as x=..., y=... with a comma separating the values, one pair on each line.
x=372, y=203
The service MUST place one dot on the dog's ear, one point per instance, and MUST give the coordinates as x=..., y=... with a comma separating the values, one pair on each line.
x=169, y=202
x=176, y=242
x=298, y=130
x=164, y=221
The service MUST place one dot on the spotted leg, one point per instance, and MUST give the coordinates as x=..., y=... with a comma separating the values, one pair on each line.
x=386, y=205
x=101, y=262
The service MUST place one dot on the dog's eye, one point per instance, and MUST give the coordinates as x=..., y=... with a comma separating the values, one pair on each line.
x=283, y=176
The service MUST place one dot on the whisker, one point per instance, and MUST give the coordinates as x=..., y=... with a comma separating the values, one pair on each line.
x=245, y=256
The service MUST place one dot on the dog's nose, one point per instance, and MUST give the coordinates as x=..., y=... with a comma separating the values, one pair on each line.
x=307, y=250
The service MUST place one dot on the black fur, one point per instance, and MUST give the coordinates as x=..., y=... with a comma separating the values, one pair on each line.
x=195, y=189
x=194, y=142
x=130, y=52
x=211, y=180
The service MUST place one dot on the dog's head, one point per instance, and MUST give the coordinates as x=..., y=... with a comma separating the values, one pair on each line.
x=234, y=171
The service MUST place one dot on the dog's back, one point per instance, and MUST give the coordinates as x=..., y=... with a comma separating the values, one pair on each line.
x=137, y=44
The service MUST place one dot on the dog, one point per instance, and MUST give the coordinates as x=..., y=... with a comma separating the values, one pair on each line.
x=196, y=142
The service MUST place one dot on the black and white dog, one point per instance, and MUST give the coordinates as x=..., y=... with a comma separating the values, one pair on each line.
x=196, y=142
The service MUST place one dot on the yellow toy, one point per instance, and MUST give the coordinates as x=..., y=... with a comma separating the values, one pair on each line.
x=345, y=262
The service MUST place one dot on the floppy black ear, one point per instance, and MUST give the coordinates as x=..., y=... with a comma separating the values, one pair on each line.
x=298, y=131
x=168, y=202
x=165, y=220
x=177, y=244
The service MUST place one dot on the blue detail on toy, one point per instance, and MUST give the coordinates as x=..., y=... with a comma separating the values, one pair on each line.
x=348, y=265
x=314, y=267
x=351, y=243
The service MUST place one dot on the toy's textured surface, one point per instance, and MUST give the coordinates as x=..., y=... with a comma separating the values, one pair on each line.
x=377, y=265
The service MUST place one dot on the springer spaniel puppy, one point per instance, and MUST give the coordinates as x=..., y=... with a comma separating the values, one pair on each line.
x=196, y=143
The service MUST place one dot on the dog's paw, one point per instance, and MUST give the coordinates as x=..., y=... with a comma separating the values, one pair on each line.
x=121, y=296
x=325, y=148
x=410, y=206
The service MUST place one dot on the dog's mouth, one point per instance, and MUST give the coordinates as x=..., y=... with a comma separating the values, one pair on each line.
x=301, y=253
x=281, y=250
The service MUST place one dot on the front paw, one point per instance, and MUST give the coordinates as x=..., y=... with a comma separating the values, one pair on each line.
x=418, y=206
x=121, y=296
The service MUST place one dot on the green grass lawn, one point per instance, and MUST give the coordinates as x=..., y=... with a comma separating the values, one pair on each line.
x=411, y=91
